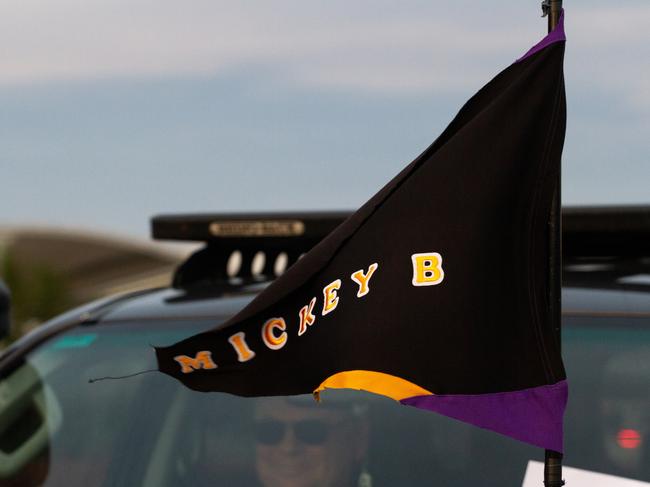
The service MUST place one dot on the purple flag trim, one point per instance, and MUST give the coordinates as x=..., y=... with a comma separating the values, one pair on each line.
x=556, y=35
x=531, y=415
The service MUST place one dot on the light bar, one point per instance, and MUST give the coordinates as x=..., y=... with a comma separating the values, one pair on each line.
x=246, y=227
x=606, y=231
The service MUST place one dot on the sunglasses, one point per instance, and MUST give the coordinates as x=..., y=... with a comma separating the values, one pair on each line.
x=308, y=432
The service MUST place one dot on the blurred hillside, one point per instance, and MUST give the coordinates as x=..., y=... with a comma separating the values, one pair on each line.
x=49, y=271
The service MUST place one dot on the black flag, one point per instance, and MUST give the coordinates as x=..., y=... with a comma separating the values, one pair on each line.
x=434, y=292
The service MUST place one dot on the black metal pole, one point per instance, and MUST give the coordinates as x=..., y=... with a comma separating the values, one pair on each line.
x=552, y=459
x=554, y=11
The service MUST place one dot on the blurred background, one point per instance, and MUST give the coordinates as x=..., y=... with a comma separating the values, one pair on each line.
x=113, y=111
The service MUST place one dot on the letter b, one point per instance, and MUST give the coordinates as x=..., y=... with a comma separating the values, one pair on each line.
x=427, y=269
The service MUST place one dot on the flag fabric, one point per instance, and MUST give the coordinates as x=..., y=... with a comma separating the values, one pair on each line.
x=435, y=292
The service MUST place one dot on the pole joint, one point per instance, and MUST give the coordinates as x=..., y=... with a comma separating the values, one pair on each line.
x=553, y=469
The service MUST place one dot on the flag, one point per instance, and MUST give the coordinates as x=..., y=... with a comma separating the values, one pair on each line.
x=435, y=292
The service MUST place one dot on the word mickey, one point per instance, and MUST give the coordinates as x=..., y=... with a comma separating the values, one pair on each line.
x=427, y=271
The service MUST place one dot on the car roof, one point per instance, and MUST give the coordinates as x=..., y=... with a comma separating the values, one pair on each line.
x=178, y=304
x=609, y=297
x=618, y=287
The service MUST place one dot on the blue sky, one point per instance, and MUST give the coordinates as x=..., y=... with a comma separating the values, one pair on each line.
x=116, y=110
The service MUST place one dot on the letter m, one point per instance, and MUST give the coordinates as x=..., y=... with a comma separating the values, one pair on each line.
x=203, y=360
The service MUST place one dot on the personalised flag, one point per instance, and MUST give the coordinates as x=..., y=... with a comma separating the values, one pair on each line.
x=435, y=292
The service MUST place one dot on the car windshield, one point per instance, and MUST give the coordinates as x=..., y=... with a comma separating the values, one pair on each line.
x=58, y=429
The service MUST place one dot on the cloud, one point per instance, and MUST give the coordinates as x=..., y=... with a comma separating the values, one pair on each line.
x=73, y=39
x=378, y=46
x=608, y=52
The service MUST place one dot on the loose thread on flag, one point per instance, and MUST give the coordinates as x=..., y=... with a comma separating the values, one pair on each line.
x=90, y=381
x=128, y=376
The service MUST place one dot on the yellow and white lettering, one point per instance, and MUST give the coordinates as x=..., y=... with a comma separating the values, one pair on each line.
x=203, y=360
x=271, y=340
x=238, y=342
x=363, y=279
x=330, y=298
x=307, y=317
x=427, y=269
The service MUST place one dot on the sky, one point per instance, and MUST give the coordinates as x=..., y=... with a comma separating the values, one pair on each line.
x=112, y=111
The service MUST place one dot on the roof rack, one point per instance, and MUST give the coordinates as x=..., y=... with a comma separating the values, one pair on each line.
x=258, y=247
x=606, y=231
x=243, y=248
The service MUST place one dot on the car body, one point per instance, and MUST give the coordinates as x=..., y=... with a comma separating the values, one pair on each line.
x=81, y=404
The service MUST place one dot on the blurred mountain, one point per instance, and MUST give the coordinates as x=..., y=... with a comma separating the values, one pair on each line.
x=50, y=270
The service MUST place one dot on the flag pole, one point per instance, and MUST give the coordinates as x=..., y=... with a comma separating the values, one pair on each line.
x=552, y=459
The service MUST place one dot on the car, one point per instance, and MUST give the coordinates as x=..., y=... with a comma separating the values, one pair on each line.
x=81, y=403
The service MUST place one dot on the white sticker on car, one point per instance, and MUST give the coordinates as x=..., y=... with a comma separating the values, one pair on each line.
x=576, y=477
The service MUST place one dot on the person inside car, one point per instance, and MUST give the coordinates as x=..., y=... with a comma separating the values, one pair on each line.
x=301, y=443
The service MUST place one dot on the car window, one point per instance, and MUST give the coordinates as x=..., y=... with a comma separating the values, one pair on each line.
x=58, y=429
x=608, y=418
